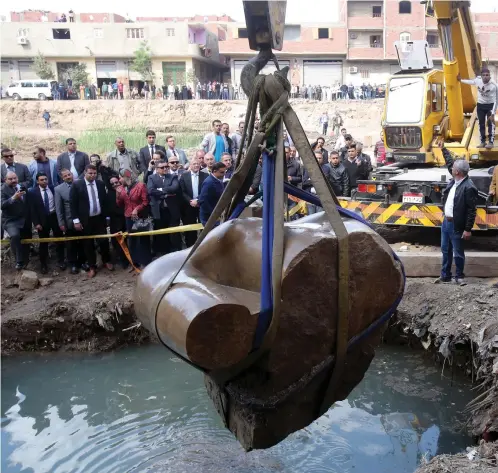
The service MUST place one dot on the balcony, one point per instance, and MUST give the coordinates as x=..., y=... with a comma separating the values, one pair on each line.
x=430, y=23
x=436, y=51
x=365, y=23
x=359, y=52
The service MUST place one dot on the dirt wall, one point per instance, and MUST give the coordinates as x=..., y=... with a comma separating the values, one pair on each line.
x=23, y=119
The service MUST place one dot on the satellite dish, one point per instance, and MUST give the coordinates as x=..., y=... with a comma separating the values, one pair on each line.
x=91, y=17
x=205, y=19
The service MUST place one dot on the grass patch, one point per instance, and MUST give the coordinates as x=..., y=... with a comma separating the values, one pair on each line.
x=102, y=141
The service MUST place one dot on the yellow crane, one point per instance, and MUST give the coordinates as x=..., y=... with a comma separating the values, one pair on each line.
x=425, y=107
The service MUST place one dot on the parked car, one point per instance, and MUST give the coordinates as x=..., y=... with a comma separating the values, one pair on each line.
x=30, y=89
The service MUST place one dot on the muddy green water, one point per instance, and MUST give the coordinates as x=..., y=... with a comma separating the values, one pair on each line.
x=143, y=410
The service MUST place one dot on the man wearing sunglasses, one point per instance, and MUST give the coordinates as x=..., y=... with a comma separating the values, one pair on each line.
x=164, y=190
x=174, y=166
x=21, y=170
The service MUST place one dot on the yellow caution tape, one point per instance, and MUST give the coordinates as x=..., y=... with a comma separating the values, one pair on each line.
x=180, y=229
x=299, y=208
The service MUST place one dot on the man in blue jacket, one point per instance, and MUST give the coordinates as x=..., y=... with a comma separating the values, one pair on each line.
x=211, y=191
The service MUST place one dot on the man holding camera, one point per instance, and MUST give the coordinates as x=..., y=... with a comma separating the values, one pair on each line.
x=15, y=217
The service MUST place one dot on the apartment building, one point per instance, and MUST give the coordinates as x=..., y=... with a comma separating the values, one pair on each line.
x=107, y=49
x=357, y=48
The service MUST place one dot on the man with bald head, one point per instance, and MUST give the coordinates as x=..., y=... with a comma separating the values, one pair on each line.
x=209, y=161
x=15, y=217
x=122, y=159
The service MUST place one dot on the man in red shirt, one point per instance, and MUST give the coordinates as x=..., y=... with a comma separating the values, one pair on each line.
x=380, y=151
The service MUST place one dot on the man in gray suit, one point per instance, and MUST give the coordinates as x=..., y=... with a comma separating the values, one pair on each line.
x=75, y=252
x=21, y=170
x=72, y=159
x=15, y=218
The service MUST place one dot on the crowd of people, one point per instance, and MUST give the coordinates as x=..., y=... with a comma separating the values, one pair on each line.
x=338, y=92
x=156, y=187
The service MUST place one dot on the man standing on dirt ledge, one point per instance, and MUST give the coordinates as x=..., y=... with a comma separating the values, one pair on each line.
x=459, y=203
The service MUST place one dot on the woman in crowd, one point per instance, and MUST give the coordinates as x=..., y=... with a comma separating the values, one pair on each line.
x=132, y=195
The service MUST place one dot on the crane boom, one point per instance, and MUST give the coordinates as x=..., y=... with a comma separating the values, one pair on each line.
x=462, y=55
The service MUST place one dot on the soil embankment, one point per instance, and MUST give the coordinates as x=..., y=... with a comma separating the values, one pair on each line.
x=22, y=123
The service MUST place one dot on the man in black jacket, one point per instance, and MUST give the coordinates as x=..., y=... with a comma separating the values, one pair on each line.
x=190, y=185
x=147, y=152
x=89, y=211
x=351, y=165
x=294, y=173
x=338, y=177
x=164, y=192
x=23, y=175
x=459, y=203
x=15, y=218
x=44, y=217
x=72, y=159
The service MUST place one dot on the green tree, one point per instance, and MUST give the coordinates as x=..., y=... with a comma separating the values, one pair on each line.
x=78, y=74
x=142, y=61
x=42, y=68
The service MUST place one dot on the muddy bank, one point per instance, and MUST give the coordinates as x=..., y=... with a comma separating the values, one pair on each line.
x=481, y=459
x=70, y=313
x=459, y=324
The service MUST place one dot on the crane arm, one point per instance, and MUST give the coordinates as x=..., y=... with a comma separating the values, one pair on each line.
x=462, y=55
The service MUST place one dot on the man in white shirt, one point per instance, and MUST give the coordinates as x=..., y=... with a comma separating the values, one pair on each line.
x=459, y=203
x=190, y=185
x=89, y=210
x=487, y=101
x=341, y=141
x=42, y=209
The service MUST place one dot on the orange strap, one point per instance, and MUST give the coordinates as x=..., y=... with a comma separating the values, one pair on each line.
x=120, y=237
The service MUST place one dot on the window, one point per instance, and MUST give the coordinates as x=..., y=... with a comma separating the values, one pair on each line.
x=61, y=33
x=292, y=32
x=170, y=32
x=98, y=33
x=433, y=40
x=243, y=33
x=26, y=84
x=22, y=32
x=40, y=84
x=135, y=33
x=365, y=74
x=376, y=41
x=405, y=37
x=434, y=98
x=323, y=33
x=376, y=12
x=405, y=8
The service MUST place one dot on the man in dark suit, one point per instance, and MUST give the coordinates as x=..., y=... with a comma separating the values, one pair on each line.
x=44, y=217
x=75, y=252
x=72, y=159
x=147, y=152
x=190, y=185
x=15, y=218
x=164, y=190
x=23, y=175
x=211, y=191
x=89, y=210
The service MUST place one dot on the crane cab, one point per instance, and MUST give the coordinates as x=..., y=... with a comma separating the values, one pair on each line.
x=413, y=113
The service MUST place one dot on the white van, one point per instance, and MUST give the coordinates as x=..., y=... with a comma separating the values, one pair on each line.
x=30, y=89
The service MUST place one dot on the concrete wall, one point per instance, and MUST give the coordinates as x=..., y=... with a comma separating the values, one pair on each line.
x=102, y=40
x=369, y=72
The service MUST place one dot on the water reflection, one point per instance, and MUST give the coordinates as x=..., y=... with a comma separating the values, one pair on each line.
x=142, y=410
